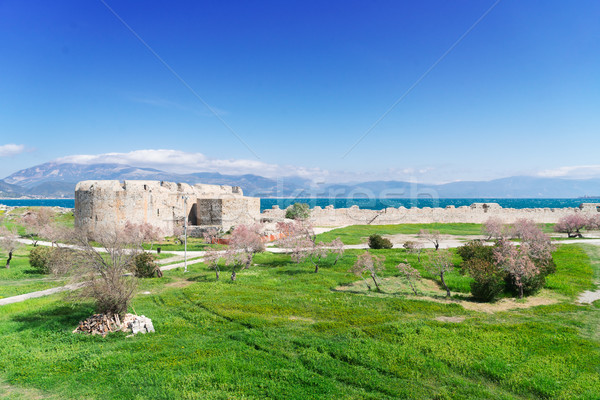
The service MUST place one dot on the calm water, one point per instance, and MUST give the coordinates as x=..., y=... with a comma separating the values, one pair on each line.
x=372, y=204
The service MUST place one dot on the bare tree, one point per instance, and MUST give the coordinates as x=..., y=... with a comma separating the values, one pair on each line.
x=9, y=242
x=410, y=274
x=431, y=236
x=439, y=264
x=371, y=265
x=212, y=259
x=143, y=233
x=337, y=248
x=104, y=270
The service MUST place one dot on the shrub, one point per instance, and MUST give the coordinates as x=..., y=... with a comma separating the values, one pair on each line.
x=532, y=285
x=377, y=242
x=40, y=258
x=145, y=267
x=488, y=280
x=298, y=211
x=476, y=249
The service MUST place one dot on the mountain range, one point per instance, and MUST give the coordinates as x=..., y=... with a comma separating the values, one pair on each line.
x=58, y=180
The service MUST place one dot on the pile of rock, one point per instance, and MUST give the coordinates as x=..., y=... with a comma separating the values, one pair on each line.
x=103, y=324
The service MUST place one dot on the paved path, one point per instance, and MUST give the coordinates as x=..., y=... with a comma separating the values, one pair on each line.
x=41, y=293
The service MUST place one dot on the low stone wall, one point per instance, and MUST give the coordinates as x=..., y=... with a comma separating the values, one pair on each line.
x=475, y=213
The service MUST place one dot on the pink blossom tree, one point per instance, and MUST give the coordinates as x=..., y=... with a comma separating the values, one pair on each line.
x=493, y=228
x=516, y=261
x=212, y=259
x=143, y=233
x=431, y=236
x=414, y=248
x=9, y=242
x=410, y=274
x=524, y=227
x=370, y=265
x=300, y=239
x=244, y=243
x=572, y=225
x=439, y=264
x=594, y=222
x=36, y=221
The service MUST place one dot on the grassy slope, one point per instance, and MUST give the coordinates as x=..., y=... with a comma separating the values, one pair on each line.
x=282, y=332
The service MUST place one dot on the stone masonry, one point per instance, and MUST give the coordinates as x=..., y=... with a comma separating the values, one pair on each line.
x=104, y=205
x=475, y=213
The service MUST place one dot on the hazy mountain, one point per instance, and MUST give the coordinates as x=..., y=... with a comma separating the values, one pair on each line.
x=8, y=190
x=59, y=180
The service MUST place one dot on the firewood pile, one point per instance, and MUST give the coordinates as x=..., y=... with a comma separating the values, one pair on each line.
x=103, y=324
x=99, y=324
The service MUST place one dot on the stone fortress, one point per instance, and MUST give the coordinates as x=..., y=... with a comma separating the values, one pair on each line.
x=104, y=205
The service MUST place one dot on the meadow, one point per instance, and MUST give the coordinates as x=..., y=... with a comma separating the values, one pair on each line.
x=283, y=332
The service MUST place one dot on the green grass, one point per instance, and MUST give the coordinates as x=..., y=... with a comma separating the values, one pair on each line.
x=357, y=234
x=283, y=332
x=21, y=278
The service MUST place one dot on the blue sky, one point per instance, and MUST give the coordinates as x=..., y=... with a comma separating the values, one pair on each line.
x=291, y=86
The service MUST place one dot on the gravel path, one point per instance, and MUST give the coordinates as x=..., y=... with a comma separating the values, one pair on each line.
x=41, y=293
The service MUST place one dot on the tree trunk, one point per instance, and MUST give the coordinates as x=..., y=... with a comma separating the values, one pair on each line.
x=217, y=272
x=159, y=273
x=412, y=287
x=316, y=268
x=233, y=275
x=521, y=291
x=437, y=246
x=9, y=258
x=445, y=286
x=375, y=281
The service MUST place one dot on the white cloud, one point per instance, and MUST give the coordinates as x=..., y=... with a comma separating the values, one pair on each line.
x=11, y=149
x=184, y=162
x=572, y=172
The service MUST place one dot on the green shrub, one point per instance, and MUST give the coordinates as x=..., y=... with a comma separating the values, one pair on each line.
x=145, y=267
x=377, y=242
x=488, y=280
x=298, y=211
x=39, y=259
x=476, y=249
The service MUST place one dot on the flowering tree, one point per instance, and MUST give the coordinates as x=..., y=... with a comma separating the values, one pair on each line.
x=9, y=242
x=572, y=225
x=211, y=235
x=369, y=264
x=36, y=221
x=212, y=258
x=414, y=248
x=516, y=261
x=492, y=228
x=143, y=233
x=594, y=222
x=299, y=238
x=410, y=274
x=431, y=236
x=524, y=227
x=244, y=243
x=439, y=264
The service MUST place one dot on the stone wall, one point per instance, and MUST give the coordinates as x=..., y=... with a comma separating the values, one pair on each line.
x=104, y=205
x=475, y=213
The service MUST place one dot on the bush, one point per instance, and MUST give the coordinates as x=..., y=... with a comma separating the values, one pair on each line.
x=145, y=267
x=535, y=283
x=488, y=280
x=377, y=242
x=40, y=258
x=476, y=249
x=298, y=211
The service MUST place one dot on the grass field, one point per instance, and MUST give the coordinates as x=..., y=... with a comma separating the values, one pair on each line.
x=357, y=234
x=284, y=332
x=21, y=278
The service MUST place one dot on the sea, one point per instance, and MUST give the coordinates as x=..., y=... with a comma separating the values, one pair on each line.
x=364, y=203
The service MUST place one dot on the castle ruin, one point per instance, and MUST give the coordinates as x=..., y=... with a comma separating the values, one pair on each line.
x=104, y=205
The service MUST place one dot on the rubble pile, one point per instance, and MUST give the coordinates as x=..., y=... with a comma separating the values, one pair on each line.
x=103, y=324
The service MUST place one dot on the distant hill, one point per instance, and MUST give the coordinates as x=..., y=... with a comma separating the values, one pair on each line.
x=59, y=180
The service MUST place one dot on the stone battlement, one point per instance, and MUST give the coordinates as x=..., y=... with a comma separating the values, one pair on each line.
x=475, y=213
